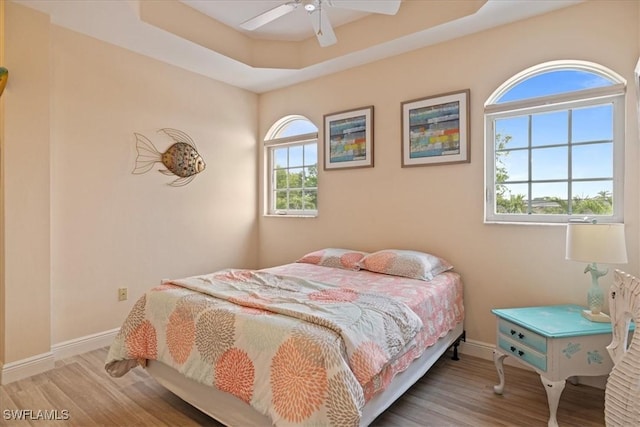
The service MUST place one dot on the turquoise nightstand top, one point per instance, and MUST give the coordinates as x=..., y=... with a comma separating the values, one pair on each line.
x=554, y=321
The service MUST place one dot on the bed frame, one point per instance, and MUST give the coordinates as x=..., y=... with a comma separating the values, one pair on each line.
x=231, y=411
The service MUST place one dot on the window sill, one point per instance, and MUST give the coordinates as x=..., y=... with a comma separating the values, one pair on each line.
x=290, y=216
x=562, y=221
x=538, y=223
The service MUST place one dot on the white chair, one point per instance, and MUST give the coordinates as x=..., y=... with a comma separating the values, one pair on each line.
x=622, y=393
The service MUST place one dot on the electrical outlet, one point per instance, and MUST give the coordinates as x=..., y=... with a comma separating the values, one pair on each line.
x=122, y=294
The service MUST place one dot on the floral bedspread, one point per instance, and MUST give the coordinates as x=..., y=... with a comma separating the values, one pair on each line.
x=297, y=350
x=438, y=303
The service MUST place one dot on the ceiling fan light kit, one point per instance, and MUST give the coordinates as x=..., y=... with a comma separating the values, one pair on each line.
x=317, y=13
x=309, y=5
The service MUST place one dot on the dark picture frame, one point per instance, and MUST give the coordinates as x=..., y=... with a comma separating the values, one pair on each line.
x=348, y=139
x=435, y=130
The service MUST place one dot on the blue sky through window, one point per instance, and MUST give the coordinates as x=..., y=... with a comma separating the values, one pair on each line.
x=593, y=125
x=553, y=83
x=297, y=127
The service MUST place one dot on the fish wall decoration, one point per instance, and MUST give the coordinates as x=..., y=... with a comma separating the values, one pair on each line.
x=181, y=159
x=4, y=76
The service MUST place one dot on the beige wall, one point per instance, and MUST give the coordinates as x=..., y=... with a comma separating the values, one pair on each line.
x=26, y=169
x=133, y=230
x=78, y=223
x=2, y=31
x=439, y=209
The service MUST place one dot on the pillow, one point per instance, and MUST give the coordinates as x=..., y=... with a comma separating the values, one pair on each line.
x=346, y=259
x=411, y=264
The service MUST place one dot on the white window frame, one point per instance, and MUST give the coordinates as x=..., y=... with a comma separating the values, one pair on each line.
x=270, y=144
x=613, y=94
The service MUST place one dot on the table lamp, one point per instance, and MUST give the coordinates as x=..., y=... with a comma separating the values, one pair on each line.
x=596, y=243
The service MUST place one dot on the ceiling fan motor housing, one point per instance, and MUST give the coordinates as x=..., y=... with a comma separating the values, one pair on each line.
x=309, y=5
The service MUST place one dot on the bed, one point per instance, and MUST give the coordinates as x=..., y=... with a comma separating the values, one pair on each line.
x=332, y=339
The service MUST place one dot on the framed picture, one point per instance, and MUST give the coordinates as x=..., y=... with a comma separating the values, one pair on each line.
x=435, y=130
x=348, y=139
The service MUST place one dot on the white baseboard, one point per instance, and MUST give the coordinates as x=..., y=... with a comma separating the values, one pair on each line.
x=477, y=349
x=484, y=350
x=25, y=368
x=14, y=371
x=83, y=344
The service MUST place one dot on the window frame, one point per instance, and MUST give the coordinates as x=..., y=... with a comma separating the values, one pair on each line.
x=270, y=145
x=614, y=94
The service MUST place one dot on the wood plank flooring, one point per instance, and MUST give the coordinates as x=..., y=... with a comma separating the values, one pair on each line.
x=452, y=393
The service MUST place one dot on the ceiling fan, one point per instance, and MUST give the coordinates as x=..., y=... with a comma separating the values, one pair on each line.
x=317, y=12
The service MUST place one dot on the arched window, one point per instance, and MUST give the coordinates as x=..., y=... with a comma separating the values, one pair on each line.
x=554, y=145
x=291, y=154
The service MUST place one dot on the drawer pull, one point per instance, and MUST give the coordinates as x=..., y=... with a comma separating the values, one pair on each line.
x=513, y=349
x=513, y=332
x=520, y=352
x=520, y=335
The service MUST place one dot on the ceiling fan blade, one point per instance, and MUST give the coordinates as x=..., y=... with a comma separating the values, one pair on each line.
x=268, y=16
x=322, y=27
x=386, y=7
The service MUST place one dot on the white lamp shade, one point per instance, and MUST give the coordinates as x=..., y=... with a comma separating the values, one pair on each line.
x=599, y=243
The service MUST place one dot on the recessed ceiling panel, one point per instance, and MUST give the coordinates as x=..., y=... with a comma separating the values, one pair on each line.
x=294, y=26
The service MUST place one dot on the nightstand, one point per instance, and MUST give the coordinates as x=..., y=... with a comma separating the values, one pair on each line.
x=555, y=341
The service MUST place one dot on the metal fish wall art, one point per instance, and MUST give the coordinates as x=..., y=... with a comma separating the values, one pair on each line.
x=4, y=77
x=181, y=159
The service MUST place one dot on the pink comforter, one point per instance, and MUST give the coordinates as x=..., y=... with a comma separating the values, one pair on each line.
x=302, y=352
x=438, y=303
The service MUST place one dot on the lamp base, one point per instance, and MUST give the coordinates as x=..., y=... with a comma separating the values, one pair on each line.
x=600, y=317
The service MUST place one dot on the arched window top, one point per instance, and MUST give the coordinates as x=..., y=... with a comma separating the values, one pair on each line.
x=555, y=78
x=291, y=126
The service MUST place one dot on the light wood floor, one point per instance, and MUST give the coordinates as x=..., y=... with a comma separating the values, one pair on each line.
x=451, y=394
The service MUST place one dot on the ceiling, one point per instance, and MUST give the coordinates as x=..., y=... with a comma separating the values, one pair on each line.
x=294, y=26
x=180, y=37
